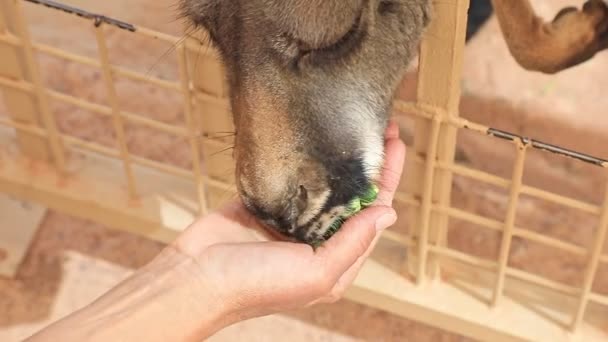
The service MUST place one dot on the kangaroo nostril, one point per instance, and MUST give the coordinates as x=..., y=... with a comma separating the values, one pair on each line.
x=284, y=209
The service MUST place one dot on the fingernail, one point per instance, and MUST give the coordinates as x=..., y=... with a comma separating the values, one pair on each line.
x=386, y=221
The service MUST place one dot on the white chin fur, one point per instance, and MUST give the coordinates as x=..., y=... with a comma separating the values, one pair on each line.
x=324, y=222
x=314, y=207
x=373, y=156
x=371, y=144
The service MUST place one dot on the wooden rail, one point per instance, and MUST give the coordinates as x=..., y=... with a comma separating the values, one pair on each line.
x=452, y=289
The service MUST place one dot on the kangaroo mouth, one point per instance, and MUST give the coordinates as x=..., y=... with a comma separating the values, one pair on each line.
x=322, y=227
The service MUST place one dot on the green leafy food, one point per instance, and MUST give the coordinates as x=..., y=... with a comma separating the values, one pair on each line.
x=355, y=206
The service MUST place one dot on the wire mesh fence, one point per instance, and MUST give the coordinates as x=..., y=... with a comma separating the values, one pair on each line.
x=425, y=192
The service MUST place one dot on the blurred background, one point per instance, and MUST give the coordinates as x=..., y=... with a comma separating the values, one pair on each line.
x=71, y=261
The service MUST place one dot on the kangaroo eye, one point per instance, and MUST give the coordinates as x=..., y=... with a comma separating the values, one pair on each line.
x=346, y=42
x=295, y=52
x=387, y=6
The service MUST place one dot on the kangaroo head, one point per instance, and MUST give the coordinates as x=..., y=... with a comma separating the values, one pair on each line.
x=311, y=86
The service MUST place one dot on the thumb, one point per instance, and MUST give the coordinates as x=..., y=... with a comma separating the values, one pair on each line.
x=355, y=237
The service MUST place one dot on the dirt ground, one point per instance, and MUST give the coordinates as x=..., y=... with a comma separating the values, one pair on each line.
x=565, y=109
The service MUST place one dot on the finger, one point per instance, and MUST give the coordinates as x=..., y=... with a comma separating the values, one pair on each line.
x=229, y=224
x=349, y=276
x=389, y=186
x=389, y=183
x=353, y=240
x=361, y=229
x=392, y=130
x=243, y=220
x=205, y=232
x=391, y=172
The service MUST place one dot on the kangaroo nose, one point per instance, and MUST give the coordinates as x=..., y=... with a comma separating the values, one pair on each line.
x=282, y=215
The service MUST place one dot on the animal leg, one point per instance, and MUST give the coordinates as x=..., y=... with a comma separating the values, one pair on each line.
x=572, y=37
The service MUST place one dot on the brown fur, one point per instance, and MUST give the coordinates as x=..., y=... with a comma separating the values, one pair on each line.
x=311, y=84
x=573, y=37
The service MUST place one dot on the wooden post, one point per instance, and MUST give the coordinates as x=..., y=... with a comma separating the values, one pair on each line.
x=23, y=107
x=593, y=263
x=208, y=78
x=211, y=117
x=182, y=61
x=509, y=227
x=117, y=117
x=439, y=89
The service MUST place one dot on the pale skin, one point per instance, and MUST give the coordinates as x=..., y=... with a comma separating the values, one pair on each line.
x=226, y=268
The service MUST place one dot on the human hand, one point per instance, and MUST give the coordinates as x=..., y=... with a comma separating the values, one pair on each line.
x=250, y=273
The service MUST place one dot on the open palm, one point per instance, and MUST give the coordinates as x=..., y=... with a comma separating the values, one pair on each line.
x=256, y=273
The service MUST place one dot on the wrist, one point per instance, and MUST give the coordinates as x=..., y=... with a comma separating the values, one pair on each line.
x=166, y=300
x=188, y=300
x=175, y=293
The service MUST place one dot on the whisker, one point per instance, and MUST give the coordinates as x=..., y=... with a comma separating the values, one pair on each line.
x=217, y=135
x=221, y=151
x=165, y=54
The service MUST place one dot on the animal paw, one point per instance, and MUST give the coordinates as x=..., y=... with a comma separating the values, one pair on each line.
x=581, y=33
x=597, y=12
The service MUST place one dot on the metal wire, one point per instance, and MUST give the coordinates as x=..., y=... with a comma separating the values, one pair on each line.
x=98, y=19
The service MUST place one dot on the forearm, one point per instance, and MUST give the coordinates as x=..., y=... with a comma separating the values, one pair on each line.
x=164, y=301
